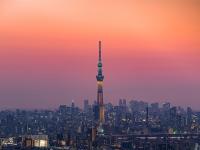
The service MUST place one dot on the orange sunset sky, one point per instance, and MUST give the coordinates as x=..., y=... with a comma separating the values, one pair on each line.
x=48, y=51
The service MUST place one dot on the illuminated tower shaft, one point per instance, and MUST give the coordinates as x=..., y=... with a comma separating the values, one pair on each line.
x=100, y=78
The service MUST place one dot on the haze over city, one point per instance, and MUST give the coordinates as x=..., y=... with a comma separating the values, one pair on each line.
x=48, y=51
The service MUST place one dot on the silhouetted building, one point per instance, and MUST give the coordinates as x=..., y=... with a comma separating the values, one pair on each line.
x=189, y=117
x=86, y=105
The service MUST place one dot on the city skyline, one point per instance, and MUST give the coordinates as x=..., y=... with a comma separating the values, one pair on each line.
x=48, y=52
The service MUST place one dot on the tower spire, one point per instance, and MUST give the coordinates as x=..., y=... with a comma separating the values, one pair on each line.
x=100, y=76
x=99, y=51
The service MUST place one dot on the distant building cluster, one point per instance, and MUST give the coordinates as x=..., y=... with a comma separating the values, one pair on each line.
x=128, y=125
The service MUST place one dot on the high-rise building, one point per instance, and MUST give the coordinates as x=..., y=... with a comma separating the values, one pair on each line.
x=86, y=105
x=147, y=116
x=173, y=117
x=100, y=78
x=72, y=107
x=124, y=102
x=73, y=104
x=120, y=102
x=189, y=116
x=166, y=106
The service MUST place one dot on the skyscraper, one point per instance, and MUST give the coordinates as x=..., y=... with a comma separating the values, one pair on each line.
x=100, y=78
x=86, y=105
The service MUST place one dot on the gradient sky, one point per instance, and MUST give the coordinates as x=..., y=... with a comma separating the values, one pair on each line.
x=48, y=51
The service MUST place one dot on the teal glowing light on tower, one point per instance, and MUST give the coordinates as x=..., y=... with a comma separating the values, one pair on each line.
x=100, y=78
